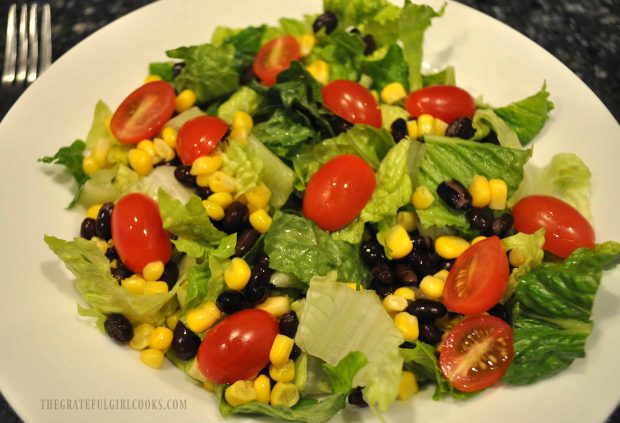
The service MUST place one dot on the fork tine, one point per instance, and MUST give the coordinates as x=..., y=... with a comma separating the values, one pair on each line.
x=46, y=38
x=22, y=49
x=33, y=44
x=10, y=51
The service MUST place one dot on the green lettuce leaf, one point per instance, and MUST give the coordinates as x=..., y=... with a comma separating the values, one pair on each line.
x=551, y=312
x=529, y=250
x=422, y=361
x=245, y=99
x=376, y=17
x=246, y=43
x=101, y=187
x=278, y=177
x=341, y=375
x=443, y=77
x=71, y=158
x=99, y=128
x=485, y=121
x=206, y=281
x=389, y=113
x=343, y=51
x=162, y=69
x=238, y=163
x=284, y=132
x=386, y=66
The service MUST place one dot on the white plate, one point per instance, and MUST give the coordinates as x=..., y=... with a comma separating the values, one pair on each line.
x=50, y=355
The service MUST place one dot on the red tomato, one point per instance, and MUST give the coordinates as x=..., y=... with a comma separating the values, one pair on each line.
x=237, y=348
x=476, y=353
x=138, y=233
x=338, y=191
x=274, y=57
x=352, y=102
x=199, y=136
x=445, y=102
x=565, y=228
x=144, y=112
x=478, y=278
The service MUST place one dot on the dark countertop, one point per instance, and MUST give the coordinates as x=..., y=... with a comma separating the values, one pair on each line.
x=583, y=34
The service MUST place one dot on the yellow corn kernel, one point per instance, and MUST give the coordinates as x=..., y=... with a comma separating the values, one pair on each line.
x=101, y=150
x=172, y=320
x=215, y=211
x=163, y=150
x=134, y=284
x=375, y=95
x=480, y=191
x=280, y=350
x=306, y=44
x=284, y=373
x=237, y=274
x=439, y=127
x=222, y=199
x=393, y=92
x=285, y=394
x=141, y=335
x=169, y=135
x=432, y=286
x=161, y=338
x=398, y=242
x=155, y=287
x=184, y=101
x=262, y=386
x=516, y=258
x=442, y=274
x=276, y=306
x=407, y=220
x=239, y=393
x=319, y=69
x=153, y=271
x=140, y=161
x=222, y=182
x=149, y=147
x=405, y=292
x=260, y=221
x=90, y=165
x=478, y=239
x=422, y=198
x=152, y=358
x=425, y=124
x=412, y=129
x=206, y=165
x=408, y=325
x=203, y=317
x=93, y=211
x=152, y=78
x=450, y=246
x=203, y=180
x=394, y=303
x=408, y=386
x=259, y=196
x=243, y=120
x=499, y=194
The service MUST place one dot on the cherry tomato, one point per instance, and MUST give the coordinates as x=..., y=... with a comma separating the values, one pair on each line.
x=138, y=233
x=144, y=112
x=476, y=353
x=445, y=102
x=237, y=348
x=274, y=57
x=338, y=191
x=478, y=278
x=565, y=228
x=199, y=136
x=352, y=102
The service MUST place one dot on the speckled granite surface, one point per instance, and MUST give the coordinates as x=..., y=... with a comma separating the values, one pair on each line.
x=583, y=34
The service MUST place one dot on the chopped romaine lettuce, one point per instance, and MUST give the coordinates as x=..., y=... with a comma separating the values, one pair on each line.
x=343, y=51
x=205, y=281
x=99, y=128
x=245, y=169
x=377, y=17
x=71, y=158
x=486, y=120
x=245, y=99
x=389, y=113
x=443, y=77
x=527, y=251
x=386, y=66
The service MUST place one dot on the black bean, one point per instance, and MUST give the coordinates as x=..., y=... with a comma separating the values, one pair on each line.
x=120, y=274
x=370, y=44
x=182, y=175
x=258, y=288
x=87, y=229
x=500, y=310
x=430, y=333
x=447, y=264
x=427, y=310
x=491, y=138
x=177, y=68
x=405, y=275
x=356, y=397
x=203, y=192
x=118, y=327
x=354, y=30
x=235, y=217
x=103, y=225
x=382, y=291
x=327, y=20
x=371, y=252
x=422, y=243
x=295, y=352
x=502, y=225
x=263, y=260
x=382, y=274
x=288, y=324
x=171, y=274
x=399, y=129
x=247, y=75
x=185, y=343
x=230, y=301
x=245, y=241
x=338, y=124
x=480, y=219
x=424, y=264
x=454, y=194
x=461, y=128
x=111, y=254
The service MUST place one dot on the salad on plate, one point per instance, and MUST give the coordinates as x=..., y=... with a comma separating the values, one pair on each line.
x=302, y=220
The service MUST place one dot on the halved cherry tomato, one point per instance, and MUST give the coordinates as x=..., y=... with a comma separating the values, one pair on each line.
x=352, y=102
x=478, y=278
x=476, y=353
x=338, y=191
x=565, y=228
x=274, y=57
x=237, y=348
x=138, y=233
x=199, y=136
x=445, y=102
x=144, y=112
